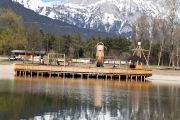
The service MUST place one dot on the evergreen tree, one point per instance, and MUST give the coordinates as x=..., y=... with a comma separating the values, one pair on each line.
x=49, y=40
x=90, y=47
x=77, y=45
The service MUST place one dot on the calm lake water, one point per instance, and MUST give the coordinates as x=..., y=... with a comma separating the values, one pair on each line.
x=76, y=99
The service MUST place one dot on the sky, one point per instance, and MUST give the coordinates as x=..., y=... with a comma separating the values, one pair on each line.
x=52, y=0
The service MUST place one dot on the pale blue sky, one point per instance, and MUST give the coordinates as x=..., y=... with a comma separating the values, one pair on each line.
x=52, y=0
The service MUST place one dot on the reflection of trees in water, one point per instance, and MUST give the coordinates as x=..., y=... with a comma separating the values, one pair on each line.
x=10, y=106
x=91, y=99
x=166, y=103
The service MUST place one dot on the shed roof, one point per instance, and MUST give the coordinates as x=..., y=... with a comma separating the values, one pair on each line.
x=29, y=52
x=135, y=58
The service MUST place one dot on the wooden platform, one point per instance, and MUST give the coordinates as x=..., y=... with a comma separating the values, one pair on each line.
x=82, y=72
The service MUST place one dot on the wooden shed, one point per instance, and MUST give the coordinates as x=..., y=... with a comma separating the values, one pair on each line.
x=135, y=62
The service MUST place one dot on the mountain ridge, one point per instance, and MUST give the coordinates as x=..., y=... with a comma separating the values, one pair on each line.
x=48, y=24
x=112, y=16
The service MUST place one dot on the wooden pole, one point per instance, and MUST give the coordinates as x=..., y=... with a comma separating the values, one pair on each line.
x=64, y=59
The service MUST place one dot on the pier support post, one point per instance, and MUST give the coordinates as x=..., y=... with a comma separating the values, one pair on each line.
x=81, y=75
x=144, y=78
x=126, y=77
x=141, y=78
x=97, y=77
x=16, y=73
x=37, y=74
x=87, y=76
x=136, y=77
x=106, y=77
x=119, y=77
x=49, y=74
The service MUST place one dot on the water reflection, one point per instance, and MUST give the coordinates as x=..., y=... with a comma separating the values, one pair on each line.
x=45, y=98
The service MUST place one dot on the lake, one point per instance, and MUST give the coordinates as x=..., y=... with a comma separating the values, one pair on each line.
x=87, y=99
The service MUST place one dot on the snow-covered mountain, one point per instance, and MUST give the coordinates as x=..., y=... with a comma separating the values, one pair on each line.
x=115, y=16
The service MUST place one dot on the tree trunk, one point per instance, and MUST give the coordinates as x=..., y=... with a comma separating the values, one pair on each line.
x=160, y=52
x=170, y=59
x=150, y=46
x=47, y=46
x=177, y=56
x=172, y=43
x=173, y=62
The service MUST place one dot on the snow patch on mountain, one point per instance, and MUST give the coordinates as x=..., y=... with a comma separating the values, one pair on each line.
x=115, y=16
x=31, y=4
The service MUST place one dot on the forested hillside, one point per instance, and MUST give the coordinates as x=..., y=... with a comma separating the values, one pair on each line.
x=14, y=34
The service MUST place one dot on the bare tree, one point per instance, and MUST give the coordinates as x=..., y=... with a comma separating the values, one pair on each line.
x=133, y=31
x=141, y=28
x=35, y=38
x=164, y=35
x=155, y=30
x=177, y=41
x=171, y=10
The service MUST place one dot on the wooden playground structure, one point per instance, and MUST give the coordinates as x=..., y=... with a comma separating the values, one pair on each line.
x=50, y=66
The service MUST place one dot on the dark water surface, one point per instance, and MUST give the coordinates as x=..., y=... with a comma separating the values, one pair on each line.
x=76, y=99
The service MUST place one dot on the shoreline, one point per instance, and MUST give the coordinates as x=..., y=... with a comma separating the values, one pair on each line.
x=164, y=75
x=156, y=77
x=7, y=71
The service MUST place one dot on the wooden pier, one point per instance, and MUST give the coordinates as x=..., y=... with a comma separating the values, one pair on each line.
x=81, y=72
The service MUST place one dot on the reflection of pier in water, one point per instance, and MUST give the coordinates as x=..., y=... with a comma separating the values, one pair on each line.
x=102, y=94
x=57, y=86
x=76, y=98
x=82, y=72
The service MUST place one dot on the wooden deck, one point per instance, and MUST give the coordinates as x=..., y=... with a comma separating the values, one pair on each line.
x=83, y=72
